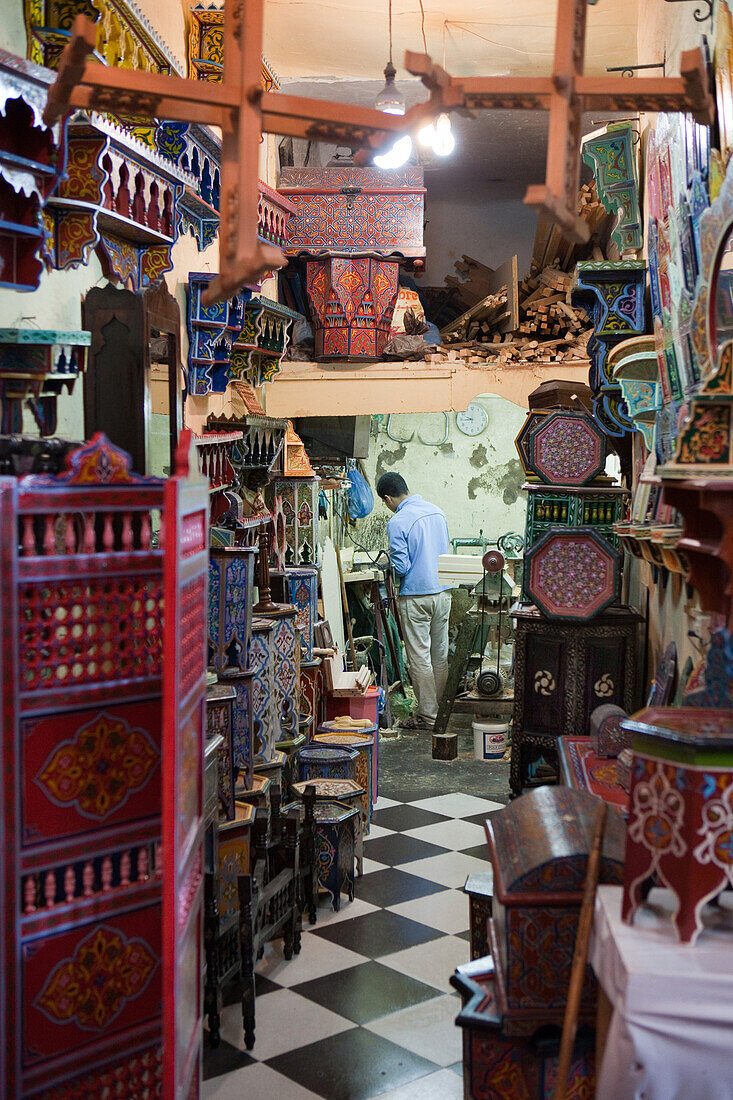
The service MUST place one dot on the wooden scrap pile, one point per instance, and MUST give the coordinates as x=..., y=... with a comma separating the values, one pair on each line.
x=544, y=326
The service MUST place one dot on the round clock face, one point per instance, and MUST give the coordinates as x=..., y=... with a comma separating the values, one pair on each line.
x=473, y=421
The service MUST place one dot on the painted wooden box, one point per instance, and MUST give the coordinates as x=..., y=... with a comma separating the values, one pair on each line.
x=299, y=498
x=355, y=210
x=243, y=751
x=336, y=824
x=219, y=704
x=265, y=716
x=608, y=737
x=303, y=594
x=680, y=812
x=539, y=847
x=563, y=671
x=498, y=1065
x=231, y=576
x=286, y=657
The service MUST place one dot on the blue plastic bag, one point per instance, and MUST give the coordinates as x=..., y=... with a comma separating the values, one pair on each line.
x=361, y=497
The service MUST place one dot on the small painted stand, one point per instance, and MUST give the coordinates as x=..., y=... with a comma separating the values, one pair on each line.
x=342, y=790
x=681, y=810
x=336, y=825
x=261, y=661
x=327, y=762
x=242, y=723
x=364, y=742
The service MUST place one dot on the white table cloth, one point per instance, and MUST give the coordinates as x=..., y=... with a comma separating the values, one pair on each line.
x=671, y=1033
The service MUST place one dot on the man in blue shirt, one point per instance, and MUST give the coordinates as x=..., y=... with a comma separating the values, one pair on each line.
x=418, y=534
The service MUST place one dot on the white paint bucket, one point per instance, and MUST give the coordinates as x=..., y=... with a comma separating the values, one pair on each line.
x=489, y=740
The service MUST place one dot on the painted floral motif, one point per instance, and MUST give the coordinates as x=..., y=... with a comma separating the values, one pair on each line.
x=99, y=768
x=571, y=574
x=107, y=971
x=706, y=439
x=717, y=831
x=567, y=450
x=657, y=813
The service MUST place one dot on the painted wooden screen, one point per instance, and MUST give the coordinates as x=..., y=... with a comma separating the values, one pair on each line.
x=82, y=587
x=184, y=692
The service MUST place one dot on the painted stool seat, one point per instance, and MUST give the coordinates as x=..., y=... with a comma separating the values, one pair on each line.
x=335, y=824
x=327, y=762
x=364, y=741
x=680, y=825
x=343, y=790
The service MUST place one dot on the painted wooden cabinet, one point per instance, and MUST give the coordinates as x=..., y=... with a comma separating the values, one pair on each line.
x=563, y=671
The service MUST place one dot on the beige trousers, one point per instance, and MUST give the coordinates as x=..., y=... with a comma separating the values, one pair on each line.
x=425, y=626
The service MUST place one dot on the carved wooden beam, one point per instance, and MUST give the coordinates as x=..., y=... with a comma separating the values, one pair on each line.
x=566, y=94
x=243, y=111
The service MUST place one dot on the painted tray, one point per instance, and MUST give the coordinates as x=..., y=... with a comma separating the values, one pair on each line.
x=572, y=574
x=566, y=449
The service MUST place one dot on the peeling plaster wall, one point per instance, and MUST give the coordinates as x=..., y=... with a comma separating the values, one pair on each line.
x=475, y=480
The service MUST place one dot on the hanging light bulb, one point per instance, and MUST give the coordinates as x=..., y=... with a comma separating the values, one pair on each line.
x=398, y=155
x=390, y=99
x=426, y=135
x=443, y=142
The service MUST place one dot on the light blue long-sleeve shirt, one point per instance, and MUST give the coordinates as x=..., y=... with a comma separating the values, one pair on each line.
x=418, y=533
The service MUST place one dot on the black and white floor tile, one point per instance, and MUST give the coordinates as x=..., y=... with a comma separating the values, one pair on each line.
x=367, y=1008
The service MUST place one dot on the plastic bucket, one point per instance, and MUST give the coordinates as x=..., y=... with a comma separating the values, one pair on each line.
x=489, y=740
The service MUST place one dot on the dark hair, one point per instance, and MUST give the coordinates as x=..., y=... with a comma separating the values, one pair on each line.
x=392, y=485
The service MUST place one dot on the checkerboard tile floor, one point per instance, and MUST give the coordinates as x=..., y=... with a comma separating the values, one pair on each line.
x=367, y=1009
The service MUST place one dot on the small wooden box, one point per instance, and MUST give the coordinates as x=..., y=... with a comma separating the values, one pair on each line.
x=607, y=736
x=539, y=847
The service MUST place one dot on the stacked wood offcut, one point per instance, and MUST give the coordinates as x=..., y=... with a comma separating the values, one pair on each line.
x=532, y=319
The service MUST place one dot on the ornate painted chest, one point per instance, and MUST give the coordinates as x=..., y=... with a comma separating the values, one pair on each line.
x=355, y=210
x=502, y=1066
x=563, y=671
x=597, y=507
x=539, y=846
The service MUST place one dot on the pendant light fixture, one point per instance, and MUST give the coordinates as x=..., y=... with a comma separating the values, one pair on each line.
x=390, y=99
x=392, y=102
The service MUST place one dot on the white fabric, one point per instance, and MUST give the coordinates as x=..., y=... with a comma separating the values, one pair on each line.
x=425, y=627
x=671, y=1033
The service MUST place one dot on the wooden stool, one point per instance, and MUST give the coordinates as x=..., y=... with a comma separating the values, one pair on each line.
x=335, y=842
x=680, y=809
x=327, y=762
x=364, y=743
x=343, y=790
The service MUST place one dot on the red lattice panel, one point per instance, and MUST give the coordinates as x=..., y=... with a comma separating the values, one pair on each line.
x=193, y=633
x=91, y=631
x=137, y=1077
x=193, y=534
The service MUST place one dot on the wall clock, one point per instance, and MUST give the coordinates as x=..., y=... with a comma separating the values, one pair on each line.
x=473, y=421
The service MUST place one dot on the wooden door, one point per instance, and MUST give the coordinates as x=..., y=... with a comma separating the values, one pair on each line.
x=186, y=563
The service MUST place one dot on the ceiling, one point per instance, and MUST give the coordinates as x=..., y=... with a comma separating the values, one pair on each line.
x=348, y=39
x=336, y=49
